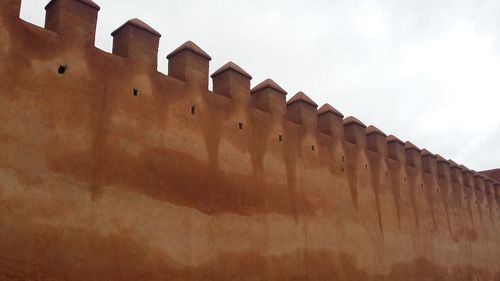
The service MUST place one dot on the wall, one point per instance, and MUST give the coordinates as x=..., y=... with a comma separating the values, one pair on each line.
x=493, y=174
x=175, y=182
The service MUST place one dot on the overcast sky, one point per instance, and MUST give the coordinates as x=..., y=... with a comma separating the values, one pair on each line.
x=427, y=71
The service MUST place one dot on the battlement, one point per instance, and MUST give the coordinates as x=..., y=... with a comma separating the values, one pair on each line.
x=168, y=176
x=135, y=46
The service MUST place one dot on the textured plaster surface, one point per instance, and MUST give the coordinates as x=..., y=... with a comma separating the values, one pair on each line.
x=99, y=184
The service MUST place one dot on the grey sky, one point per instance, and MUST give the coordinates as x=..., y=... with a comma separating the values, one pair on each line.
x=424, y=70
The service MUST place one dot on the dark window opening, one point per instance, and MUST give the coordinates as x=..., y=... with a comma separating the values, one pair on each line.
x=62, y=69
x=240, y=125
x=136, y=92
x=313, y=148
x=280, y=137
x=193, y=110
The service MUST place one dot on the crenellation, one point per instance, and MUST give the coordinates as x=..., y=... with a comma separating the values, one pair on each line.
x=330, y=121
x=412, y=154
x=395, y=149
x=300, y=109
x=443, y=167
x=444, y=179
x=428, y=161
x=468, y=182
x=137, y=41
x=467, y=176
x=191, y=64
x=376, y=139
x=456, y=172
x=74, y=20
x=236, y=162
x=269, y=97
x=233, y=82
x=489, y=187
x=490, y=197
x=354, y=131
x=479, y=186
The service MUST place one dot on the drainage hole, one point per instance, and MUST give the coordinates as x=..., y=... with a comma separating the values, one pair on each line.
x=62, y=69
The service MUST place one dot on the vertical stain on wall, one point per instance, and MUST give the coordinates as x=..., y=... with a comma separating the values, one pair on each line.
x=307, y=216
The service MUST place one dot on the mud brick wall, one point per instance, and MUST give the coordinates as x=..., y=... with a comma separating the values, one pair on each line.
x=113, y=170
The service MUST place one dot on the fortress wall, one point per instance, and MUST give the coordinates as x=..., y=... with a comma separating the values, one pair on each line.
x=115, y=171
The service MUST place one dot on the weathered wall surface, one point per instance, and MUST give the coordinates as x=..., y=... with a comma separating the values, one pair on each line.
x=493, y=174
x=174, y=182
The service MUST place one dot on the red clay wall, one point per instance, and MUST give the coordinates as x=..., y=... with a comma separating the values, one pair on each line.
x=493, y=174
x=180, y=183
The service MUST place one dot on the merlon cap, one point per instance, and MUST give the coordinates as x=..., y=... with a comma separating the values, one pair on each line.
x=353, y=120
x=326, y=108
x=392, y=138
x=466, y=170
x=453, y=164
x=268, y=83
x=478, y=175
x=231, y=66
x=86, y=2
x=426, y=152
x=139, y=24
x=190, y=46
x=300, y=96
x=409, y=145
x=488, y=179
x=441, y=159
x=371, y=130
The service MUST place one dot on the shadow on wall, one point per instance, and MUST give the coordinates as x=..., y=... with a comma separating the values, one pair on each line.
x=89, y=256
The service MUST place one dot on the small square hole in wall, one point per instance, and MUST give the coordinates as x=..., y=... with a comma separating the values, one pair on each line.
x=135, y=92
x=62, y=69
